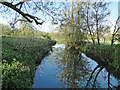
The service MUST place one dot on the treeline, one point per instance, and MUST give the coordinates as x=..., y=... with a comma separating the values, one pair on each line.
x=25, y=30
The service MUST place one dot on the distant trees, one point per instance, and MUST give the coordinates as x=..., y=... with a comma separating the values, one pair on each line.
x=6, y=30
x=80, y=21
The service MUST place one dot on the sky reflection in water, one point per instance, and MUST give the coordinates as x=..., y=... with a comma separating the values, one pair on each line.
x=68, y=69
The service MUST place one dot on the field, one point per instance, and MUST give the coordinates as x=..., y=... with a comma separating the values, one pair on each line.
x=106, y=41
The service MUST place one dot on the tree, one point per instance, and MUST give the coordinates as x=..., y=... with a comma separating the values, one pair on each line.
x=89, y=24
x=30, y=10
x=116, y=31
x=6, y=30
x=73, y=24
x=96, y=19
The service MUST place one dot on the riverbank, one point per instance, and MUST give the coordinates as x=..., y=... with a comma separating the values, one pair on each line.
x=105, y=55
x=20, y=56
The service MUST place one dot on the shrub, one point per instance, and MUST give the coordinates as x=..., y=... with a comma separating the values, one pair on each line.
x=116, y=56
x=15, y=75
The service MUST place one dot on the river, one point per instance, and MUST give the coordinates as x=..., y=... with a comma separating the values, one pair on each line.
x=65, y=68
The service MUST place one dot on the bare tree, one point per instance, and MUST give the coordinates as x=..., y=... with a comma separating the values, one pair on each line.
x=96, y=17
x=116, y=30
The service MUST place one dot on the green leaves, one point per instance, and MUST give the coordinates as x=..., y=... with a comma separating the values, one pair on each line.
x=104, y=52
x=116, y=56
x=20, y=56
x=16, y=75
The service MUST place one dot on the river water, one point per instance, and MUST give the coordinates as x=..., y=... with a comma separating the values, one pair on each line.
x=65, y=68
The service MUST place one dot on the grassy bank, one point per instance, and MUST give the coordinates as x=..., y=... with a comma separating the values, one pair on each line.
x=20, y=56
x=104, y=54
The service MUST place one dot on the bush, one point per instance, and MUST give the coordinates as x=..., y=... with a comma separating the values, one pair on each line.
x=15, y=75
x=116, y=56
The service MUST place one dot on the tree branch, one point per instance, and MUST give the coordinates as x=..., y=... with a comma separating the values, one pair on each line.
x=20, y=3
x=26, y=16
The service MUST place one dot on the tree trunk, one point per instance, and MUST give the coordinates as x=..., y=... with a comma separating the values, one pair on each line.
x=98, y=39
x=112, y=40
x=97, y=29
x=89, y=26
x=93, y=41
x=104, y=40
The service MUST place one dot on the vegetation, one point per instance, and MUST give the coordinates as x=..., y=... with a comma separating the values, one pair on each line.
x=83, y=25
x=22, y=50
x=103, y=54
x=85, y=22
x=20, y=57
x=16, y=75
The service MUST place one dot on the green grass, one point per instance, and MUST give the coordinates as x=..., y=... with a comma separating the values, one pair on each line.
x=106, y=41
x=20, y=57
x=104, y=52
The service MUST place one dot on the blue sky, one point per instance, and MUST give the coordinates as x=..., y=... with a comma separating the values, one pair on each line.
x=114, y=10
x=113, y=7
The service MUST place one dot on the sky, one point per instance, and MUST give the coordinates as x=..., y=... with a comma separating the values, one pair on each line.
x=49, y=27
x=114, y=11
x=114, y=14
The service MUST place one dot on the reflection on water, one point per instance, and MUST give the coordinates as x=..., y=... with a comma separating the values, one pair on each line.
x=65, y=68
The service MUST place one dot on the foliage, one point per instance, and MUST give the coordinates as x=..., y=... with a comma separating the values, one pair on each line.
x=104, y=53
x=116, y=57
x=46, y=36
x=28, y=53
x=74, y=24
x=16, y=75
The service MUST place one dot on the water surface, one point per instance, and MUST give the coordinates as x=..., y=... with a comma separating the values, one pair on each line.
x=65, y=68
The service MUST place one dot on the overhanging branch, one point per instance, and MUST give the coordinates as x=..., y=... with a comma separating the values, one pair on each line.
x=28, y=17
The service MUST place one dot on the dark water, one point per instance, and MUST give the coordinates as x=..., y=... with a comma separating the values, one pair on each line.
x=69, y=69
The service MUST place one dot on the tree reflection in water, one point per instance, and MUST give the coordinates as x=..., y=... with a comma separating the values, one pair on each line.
x=68, y=68
x=74, y=71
